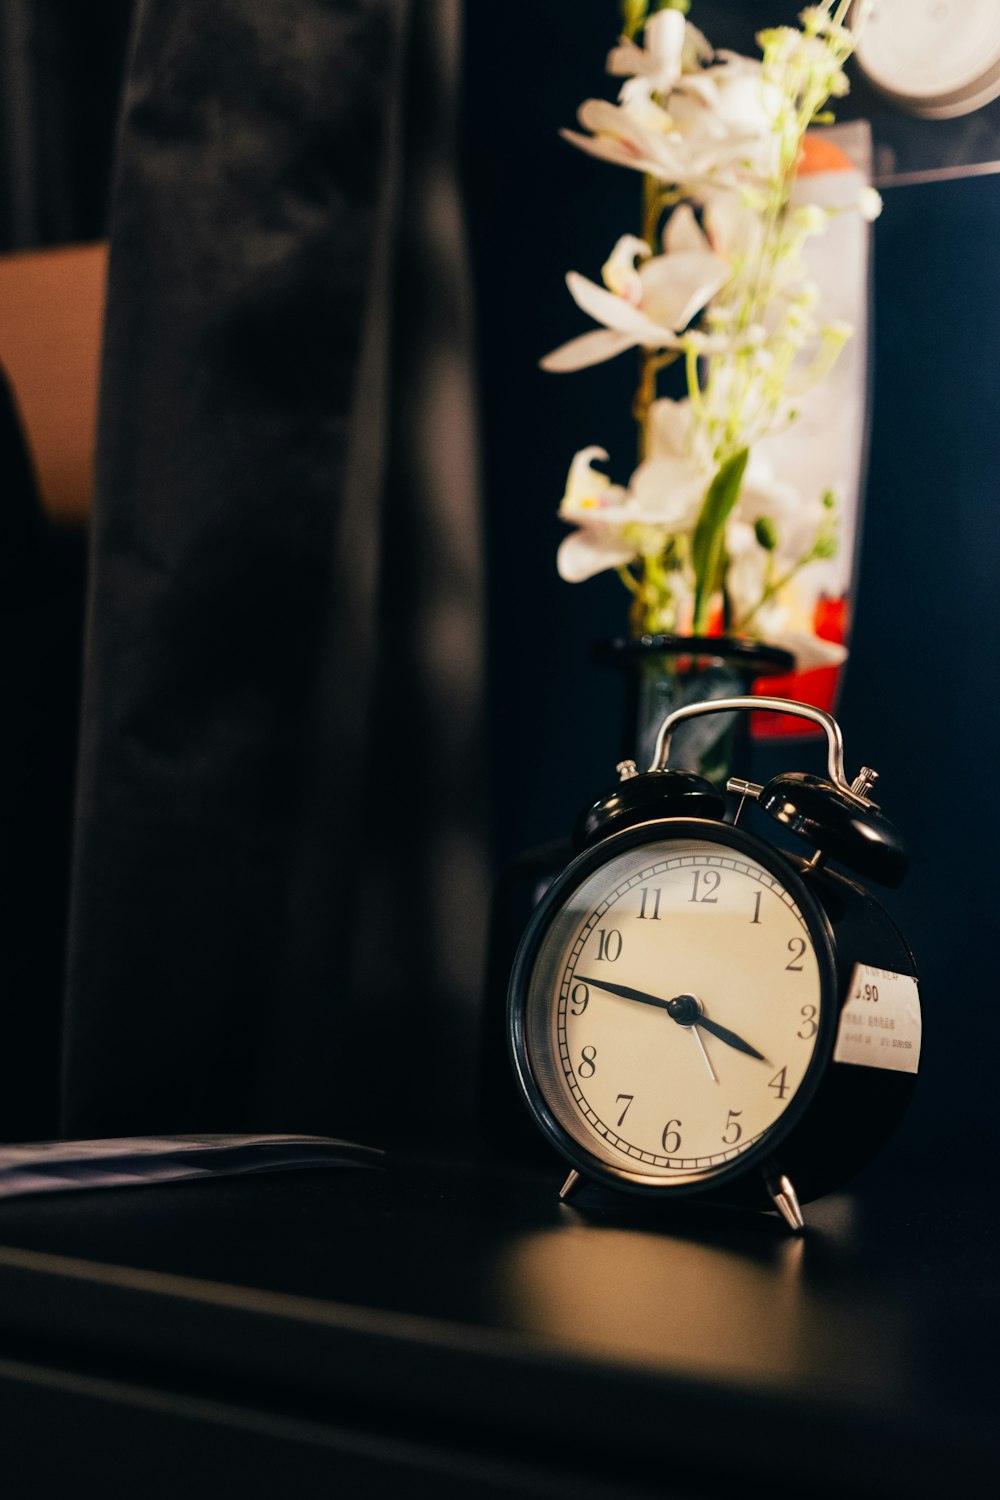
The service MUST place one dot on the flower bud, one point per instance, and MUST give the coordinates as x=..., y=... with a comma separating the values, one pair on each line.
x=869, y=204
x=766, y=533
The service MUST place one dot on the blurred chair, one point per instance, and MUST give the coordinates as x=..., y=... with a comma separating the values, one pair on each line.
x=51, y=317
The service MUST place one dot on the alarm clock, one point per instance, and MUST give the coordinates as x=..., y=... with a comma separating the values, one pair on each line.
x=936, y=59
x=694, y=1012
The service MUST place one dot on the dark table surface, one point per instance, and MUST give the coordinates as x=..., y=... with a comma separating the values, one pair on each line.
x=444, y=1305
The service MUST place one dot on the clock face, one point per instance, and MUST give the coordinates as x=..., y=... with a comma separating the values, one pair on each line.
x=936, y=58
x=674, y=1005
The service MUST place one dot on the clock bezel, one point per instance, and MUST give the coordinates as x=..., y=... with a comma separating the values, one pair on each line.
x=824, y=944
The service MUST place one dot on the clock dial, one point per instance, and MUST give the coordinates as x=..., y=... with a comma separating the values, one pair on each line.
x=674, y=1007
x=936, y=58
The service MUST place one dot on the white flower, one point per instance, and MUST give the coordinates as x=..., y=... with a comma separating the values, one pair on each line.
x=671, y=428
x=664, y=497
x=619, y=135
x=670, y=485
x=588, y=491
x=729, y=287
x=735, y=94
x=596, y=506
x=643, y=304
x=668, y=492
x=671, y=47
x=778, y=628
x=734, y=225
x=782, y=621
x=682, y=146
x=809, y=650
x=803, y=64
x=660, y=61
x=764, y=497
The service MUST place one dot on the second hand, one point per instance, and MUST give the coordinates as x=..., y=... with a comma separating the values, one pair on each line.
x=708, y=1061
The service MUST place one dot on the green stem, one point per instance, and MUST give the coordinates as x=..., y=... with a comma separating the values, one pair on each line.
x=693, y=382
x=773, y=588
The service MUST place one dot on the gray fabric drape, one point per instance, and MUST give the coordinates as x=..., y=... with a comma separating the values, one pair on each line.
x=278, y=883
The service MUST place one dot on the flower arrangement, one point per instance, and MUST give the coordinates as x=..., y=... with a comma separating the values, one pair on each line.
x=706, y=536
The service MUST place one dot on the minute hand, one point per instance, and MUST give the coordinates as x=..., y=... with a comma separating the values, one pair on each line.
x=722, y=1032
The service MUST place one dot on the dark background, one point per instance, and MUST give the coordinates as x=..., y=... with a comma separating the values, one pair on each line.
x=918, y=700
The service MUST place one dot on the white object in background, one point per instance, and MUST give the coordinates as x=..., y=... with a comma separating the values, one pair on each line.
x=57, y=1166
x=933, y=58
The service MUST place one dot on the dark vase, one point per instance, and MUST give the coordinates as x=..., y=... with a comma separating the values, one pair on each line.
x=666, y=672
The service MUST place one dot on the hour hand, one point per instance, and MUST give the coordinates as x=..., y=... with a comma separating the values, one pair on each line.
x=729, y=1037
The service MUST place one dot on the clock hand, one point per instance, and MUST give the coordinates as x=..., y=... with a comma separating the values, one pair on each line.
x=729, y=1037
x=708, y=1061
x=626, y=992
x=684, y=1009
x=670, y=1006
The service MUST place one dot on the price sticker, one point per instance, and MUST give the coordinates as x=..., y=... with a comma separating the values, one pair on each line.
x=880, y=1023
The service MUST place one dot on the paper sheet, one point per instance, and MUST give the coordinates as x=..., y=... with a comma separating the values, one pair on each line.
x=130, y=1161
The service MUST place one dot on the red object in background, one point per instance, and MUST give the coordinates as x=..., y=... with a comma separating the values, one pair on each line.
x=817, y=687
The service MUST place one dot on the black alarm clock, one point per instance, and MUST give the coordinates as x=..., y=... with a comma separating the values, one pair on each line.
x=695, y=1013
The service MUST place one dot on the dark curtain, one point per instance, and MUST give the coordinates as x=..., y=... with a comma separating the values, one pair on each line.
x=61, y=64
x=277, y=891
x=40, y=610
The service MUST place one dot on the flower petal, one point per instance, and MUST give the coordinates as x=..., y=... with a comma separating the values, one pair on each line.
x=664, y=38
x=626, y=60
x=589, y=349
x=614, y=312
x=683, y=232
x=669, y=428
x=660, y=59
x=809, y=650
x=669, y=492
x=610, y=148
x=619, y=272
x=676, y=287
x=591, y=550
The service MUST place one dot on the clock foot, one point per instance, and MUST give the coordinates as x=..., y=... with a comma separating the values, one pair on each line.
x=569, y=1189
x=785, y=1200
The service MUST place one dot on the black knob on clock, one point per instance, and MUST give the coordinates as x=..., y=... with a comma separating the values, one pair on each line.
x=642, y=796
x=841, y=825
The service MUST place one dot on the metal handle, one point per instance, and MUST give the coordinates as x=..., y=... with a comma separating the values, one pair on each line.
x=834, y=738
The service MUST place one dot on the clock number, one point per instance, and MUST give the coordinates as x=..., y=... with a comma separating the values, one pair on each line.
x=808, y=1028
x=628, y=1100
x=755, y=919
x=580, y=996
x=588, y=1064
x=708, y=880
x=778, y=1083
x=671, y=1137
x=732, y=1124
x=796, y=947
x=653, y=915
x=609, y=944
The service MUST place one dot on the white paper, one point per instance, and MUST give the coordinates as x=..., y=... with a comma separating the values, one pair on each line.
x=880, y=1023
